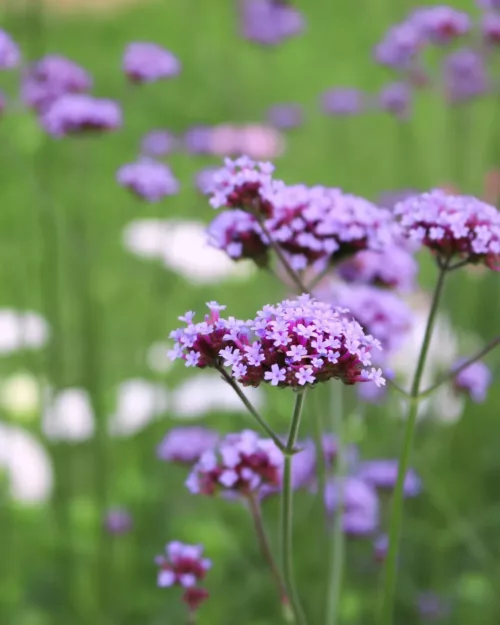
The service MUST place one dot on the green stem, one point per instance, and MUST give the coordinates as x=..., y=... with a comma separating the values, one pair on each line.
x=253, y=411
x=337, y=543
x=287, y=513
x=265, y=548
x=396, y=515
x=321, y=466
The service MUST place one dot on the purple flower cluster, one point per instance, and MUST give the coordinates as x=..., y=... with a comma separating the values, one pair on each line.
x=382, y=474
x=148, y=62
x=465, y=75
x=51, y=77
x=80, y=113
x=453, y=226
x=184, y=566
x=269, y=22
x=490, y=28
x=360, y=505
x=186, y=444
x=285, y=116
x=311, y=224
x=293, y=344
x=396, y=99
x=494, y=5
x=381, y=313
x=440, y=25
x=394, y=267
x=241, y=463
x=10, y=56
x=148, y=179
x=159, y=143
x=343, y=101
x=474, y=381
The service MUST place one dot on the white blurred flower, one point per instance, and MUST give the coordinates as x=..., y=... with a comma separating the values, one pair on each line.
x=21, y=330
x=206, y=392
x=157, y=358
x=68, y=416
x=138, y=403
x=182, y=246
x=27, y=464
x=20, y=395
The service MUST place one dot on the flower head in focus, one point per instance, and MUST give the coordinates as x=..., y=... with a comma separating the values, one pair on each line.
x=453, y=227
x=186, y=444
x=241, y=463
x=10, y=56
x=74, y=114
x=474, y=380
x=51, y=77
x=145, y=62
x=148, y=179
x=361, y=514
x=382, y=474
x=184, y=565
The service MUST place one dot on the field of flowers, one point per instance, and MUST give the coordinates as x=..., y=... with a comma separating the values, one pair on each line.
x=247, y=318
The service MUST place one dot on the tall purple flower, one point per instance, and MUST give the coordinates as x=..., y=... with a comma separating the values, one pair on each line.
x=158, y=143
x=269, y=22
x=382, y=474
x=79, y=113
x=148, y=179
x=453, y=227
x=474, y=381
x=51, y=77
x=285, y=116
x=293, y=344
x=396, y=99
x=360, y=505
x=464, y=75
x=148, y=62
x=186, y=444
x=343, y=101
x=10, y=55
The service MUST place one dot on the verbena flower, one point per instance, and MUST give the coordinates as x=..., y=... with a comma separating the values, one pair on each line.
x=241, y=463
x=285, y=116
x=474, y=380
x=269, y=22
x=81, y=113
x=148, y=62
x=158, y=143
x=186, y=444
x=494, y=5
x=441, y=24
x=198, y=140
x=203, y=179
x=382, y=474
x=381, y=313
x=148, y=179
x=293, y=344
x=118, y=521
x=380, y=547
x=360, y=505
x=400, y=46
x=10, y=56
x=303, y=470
x=464, y=75
x=51, y=77
x=490, y=28
x=394, y=267
x=453, y=227
x=330, y=451
x=343, y=101
x=184, y=566
x=239, y=234
x=396, y=98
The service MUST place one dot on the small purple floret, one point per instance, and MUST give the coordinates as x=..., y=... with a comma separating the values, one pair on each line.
x=148, y=62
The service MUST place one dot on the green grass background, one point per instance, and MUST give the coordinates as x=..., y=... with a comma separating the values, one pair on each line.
x=55, y=567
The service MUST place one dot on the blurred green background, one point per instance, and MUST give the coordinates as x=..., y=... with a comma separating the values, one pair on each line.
x=57, y=565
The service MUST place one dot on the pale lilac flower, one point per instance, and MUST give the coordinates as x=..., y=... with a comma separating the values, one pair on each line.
x=269, y=22
x=148, y=179
x=396, y=99
x=343, y=101
x=494, y=5
x=330, y=450
x=241, y=464
x=51, y=77
x=204, y=179
x=490, y=28
x=198, y=140
x=186, y=444
x=303, y=470
x=10, y=56
x=148, y=62
x=360, y=505
x=80, y=113
x=159, y=143
x=474, y=380
x=285, y=116
x=380, y=547
x=441, y=24
x=464, y=75
x=393, y=267
x=400, y=46
x=453, y=227
x=118, y=521
x=382, y=474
